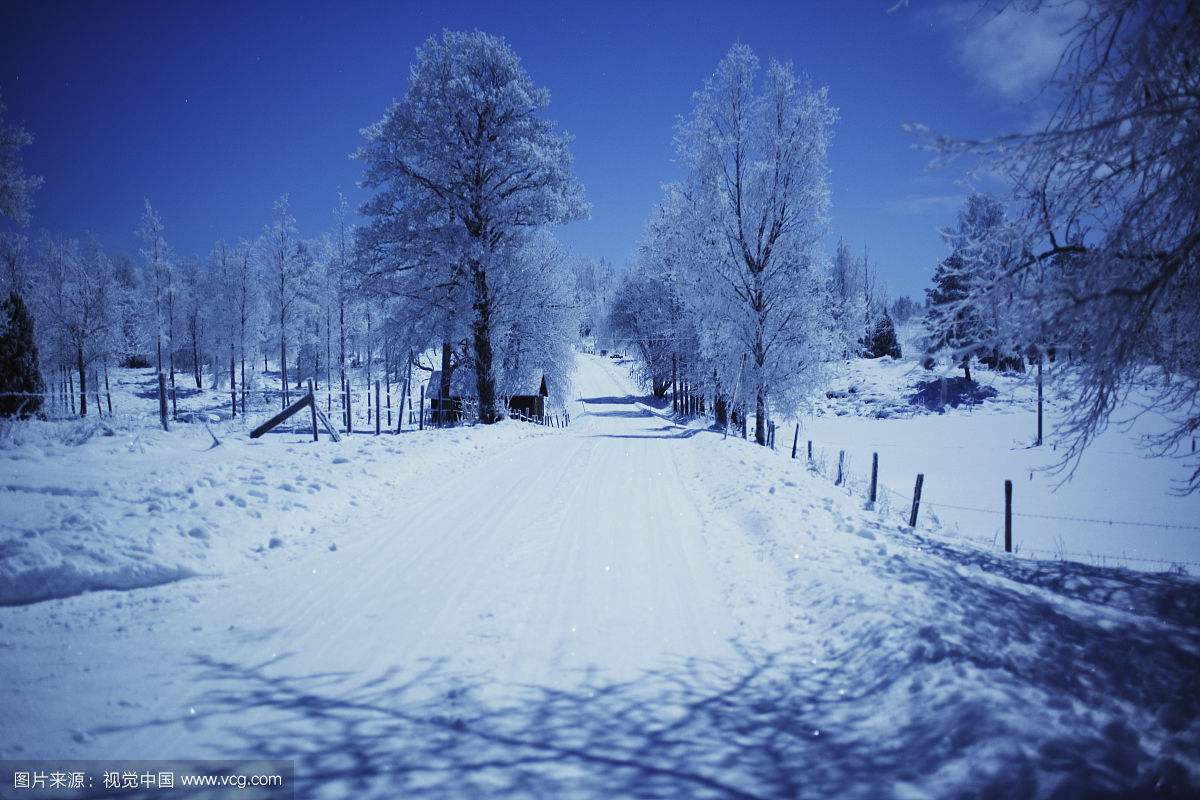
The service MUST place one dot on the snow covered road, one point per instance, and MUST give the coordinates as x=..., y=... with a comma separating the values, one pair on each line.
x=626, y=607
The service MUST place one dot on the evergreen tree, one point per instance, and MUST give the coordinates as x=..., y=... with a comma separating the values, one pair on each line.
x=883, y=340
x=19, y=373
x=952, y=324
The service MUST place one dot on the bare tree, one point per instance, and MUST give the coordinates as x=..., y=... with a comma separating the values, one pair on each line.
x=1108, y=192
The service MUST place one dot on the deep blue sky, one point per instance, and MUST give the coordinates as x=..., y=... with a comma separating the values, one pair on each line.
x=212, y=110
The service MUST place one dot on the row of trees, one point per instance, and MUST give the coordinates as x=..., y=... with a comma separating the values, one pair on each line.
x=455, y=258
x=729, y=295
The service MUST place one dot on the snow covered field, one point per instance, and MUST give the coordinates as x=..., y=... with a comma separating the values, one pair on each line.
x=1118, y=507
x=626, y=607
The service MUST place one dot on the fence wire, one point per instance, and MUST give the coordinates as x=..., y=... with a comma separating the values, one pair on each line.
x=824, y=461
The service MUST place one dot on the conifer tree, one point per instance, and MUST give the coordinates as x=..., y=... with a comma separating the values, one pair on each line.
x=21, y=383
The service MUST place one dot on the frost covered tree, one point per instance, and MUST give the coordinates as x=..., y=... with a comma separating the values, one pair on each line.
x=195, y=283
x=963, y=319
x=467, y=153
x=16, y=260
x=16, y=187
x=285, y=262
x=536, y=321
x=224, y=310
x=641, y=314
x=1109, y=181
x=903, y=308
x=77, y=304
x=693, y=349
x=882, y=341
x=160, y=273
x=951, y=321
x=845, y=291
x=343, y=277
x=755, y=150
x=594, y=280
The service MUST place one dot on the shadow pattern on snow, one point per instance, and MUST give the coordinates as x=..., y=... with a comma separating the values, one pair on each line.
x=1005, y=711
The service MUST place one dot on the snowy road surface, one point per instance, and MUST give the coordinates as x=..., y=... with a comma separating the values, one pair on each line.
x=626, y=608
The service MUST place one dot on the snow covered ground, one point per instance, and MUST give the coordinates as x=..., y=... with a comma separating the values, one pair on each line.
x=1117, y=507
x=626, y=607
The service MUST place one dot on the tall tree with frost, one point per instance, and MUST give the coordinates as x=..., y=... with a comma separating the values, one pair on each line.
x=467, y=146
x=16, y=187
x=963, y=321
x=641, y=315
x=845, y=290
x=16, y=261
x=756, y=150
x=77, y=298
x=285, y=260
x=160, y=272
x=537, y=321
x=1109, y=180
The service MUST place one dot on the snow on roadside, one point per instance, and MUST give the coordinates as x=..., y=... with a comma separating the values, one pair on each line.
x=940, y=665
x=140, y=507
x=967, y=453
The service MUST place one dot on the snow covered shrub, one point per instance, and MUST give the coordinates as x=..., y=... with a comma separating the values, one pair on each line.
x=939, y=393
x=883, y=341
x=135, y=361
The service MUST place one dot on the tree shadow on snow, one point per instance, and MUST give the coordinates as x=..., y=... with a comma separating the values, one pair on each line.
x=663, y=432
x=1006, y=707
x=610, y=400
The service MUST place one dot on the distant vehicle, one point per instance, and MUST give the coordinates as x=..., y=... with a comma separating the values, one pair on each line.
x=616, y=356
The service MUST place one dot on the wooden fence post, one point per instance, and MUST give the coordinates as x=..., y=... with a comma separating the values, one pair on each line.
x=421, y=409
x=108, y=394
x=312, y=405
x=349, y=408
x=1008, y=516
x=912, y=517
x=795, y=440
x=841, y=462
x=377, y=420
x=388, y=388
x=174, y=403
x=162, y=401
x=400, y=407
x=810, y=452
x=874, y=476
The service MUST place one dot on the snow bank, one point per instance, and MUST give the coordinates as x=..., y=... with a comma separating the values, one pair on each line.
x=88, y=507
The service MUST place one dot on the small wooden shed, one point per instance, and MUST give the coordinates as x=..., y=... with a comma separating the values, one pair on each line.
x=530, y=405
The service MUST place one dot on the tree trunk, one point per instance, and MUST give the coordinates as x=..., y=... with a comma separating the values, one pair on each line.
x=158, y=320
x=342, y=357
x=232, y=379
x=1039, y=395
x=107, y=389
x=482, y=336
x=171, y=336
x=328, y=362
x=82, y=382
x=674, y=385
x=760, y=417
x=444, y=385
x=196, y=355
